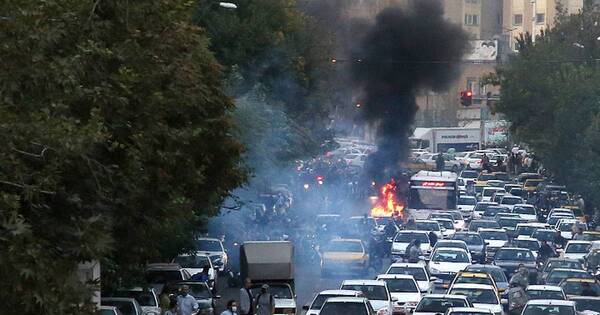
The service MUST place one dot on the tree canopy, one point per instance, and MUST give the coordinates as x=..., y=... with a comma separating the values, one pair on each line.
x=116, y=140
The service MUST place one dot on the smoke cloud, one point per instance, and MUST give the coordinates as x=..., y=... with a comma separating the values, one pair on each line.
x=404, y=51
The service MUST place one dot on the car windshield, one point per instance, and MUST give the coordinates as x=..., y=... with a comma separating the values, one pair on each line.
x=469, y=313
x=371, y=292
x=587, y=304
x=468, y=174
x=514, y=254
x=567, y=227
x=344, y=308
x=590, y=237
x=578, y=248
x=501, y=176
x=511, y=201
x=280, y=291
x=484, y=206
x=492, y=211
x=470, y=239
x=530, y=183
x=439, y=305
x=126, y=307
x=144, y=298
x=576, y=287
x=407, y=237
x=163, y=276
x=319, y=300
x=494, y=236
x=496, y=273
x=450, y=256
x=509, y=222
x=475, y=280
x=568, y=264
x=477, y=295
x=107, y=312
x=447, y=224
x=209, y=246
x=564, y=274
x=343, y=247
x=489, y=192
x=485, y=177
x=441, y=216
x=544, y=235
x=427, y=226
x=548, y=310
x=545, y=295
x=417, y=273
x=524, y=210
x=193, y=261
x=401, y=285
x=467, y=201
x=532, y=245
x=475, y=225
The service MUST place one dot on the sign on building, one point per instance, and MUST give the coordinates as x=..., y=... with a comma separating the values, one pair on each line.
x=483, y=50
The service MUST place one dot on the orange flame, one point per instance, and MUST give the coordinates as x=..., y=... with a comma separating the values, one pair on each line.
x=387, y=204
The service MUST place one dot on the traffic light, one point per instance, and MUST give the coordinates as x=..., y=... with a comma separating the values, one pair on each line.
x=466, y=98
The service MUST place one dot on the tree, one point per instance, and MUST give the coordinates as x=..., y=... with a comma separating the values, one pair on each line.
x=550, y=92
x=116, y=141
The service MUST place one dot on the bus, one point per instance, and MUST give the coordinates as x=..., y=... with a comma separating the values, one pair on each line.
x=430, y=192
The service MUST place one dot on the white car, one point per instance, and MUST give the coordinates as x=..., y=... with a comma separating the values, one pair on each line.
x=493, y=238
x=450, y=244
x=545, y=292
x=481, y=295
x=315, y=306
x=466, y=204
x=376, y=291
x=356, y=159
x=347, y=305
x=468, y=311
x=510, y=201
x=213, y=247
x=467, y=176
x=576, y=250
x=429, y=226
x=449, y=261
x=283, y=296
x=565, y=226
x=560, y=211
x=195, y=264
x=536, y=307
x=405, y=290
x=417, y=271
x=523, y=241
x=488, y=193
x=403, y=238
x=447, y=226
x=434, y=304
x=480, y=208
x=525, y=212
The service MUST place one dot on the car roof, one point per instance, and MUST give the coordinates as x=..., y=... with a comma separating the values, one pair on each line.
x=451, y=249
x=450, y=241
x=395, y=276
x=524, y=205
x=119, y=299
x=481, y=266
x=476, y=286
x=444, y=296
x=340, y=292
x=346, y=299
x=551, y=302
x=473, y=274
x=515, y=248
x=595, y=298
x=544, y=288
x=364, y=282
x=413, y=232
x=563, y=259
x=443, y=219
x=579, y=242
x=588, y=280
x=407, y=265
x=491, y=230
x=569, y=269
x=163, y=266
x=482, y=220
x=425, y=221
x=468, y=310
x=208, y=239
x=488, y=203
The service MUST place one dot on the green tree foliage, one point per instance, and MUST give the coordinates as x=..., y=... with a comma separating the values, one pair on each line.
x=550, y=92
x=116, y=140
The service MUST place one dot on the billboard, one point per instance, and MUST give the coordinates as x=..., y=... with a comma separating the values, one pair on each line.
x=483, y=50
x=496, y=131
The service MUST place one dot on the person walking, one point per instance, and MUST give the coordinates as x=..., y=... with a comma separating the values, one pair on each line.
x=432, y=238
x=265, y=303
x=246, y=298
x=231, y=308
x=186, y=304
x=415, y=252
x=439, y=162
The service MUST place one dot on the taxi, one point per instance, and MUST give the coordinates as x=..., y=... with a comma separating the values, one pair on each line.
x=531, y=185
x=344, y=255
x=591, y=236
x=483, y=178
x=475, y=278
x=575, y=286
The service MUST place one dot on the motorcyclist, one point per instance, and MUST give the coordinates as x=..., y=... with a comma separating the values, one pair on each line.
x=517, y=298
x=546, y=251
x=415, y=252
x=521, y=277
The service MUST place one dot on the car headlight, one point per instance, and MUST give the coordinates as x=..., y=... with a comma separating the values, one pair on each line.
x=383, y=311
x=433, y=270
x=411, y=304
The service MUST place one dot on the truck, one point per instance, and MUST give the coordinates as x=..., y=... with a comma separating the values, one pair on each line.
x=270, y=263
x=434, y=140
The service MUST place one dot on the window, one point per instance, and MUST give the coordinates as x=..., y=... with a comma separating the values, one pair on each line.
x=471, y=19
x=518, y=19
x=472, y=1
x=540, y=18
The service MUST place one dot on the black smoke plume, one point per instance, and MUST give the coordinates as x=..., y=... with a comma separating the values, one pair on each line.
x=404, y=51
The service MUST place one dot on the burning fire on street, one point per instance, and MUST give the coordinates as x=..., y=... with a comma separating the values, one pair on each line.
x=387, y=203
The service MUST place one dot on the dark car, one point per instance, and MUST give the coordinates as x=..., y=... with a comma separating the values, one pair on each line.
x=586, y=303
x=126, y=306
x=475, y=244
x=554, y=263
x=510, y=258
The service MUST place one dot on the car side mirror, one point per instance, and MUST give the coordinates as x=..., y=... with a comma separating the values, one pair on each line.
x=305, y=307
x=433, y=279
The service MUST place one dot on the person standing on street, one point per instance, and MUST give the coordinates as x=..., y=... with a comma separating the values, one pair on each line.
x=439, y=162
x=231, y=308
x=186, y=304
x=246, y=298
x=265, y=302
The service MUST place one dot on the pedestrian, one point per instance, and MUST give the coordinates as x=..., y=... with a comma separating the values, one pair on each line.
x=171, y=309
x=439, y=162
x=415, y=252
x=517, y=298
x=578, y=236
x=246, y=298
x=202, y=276
x=231, y=308
x=265, y=303
x=485, y=162
x=186, y=304
x=432, y=238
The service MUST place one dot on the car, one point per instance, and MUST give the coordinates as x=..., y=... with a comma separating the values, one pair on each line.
x=586, y=303
x=195, y=263
x=591, y=236
x=497, y=196
x=488, y=192
x=480, y=295
x=519, y=192
x=525, y=176
x=468, y=311
x=566, y=211
x=344, y=255
x=529, y=228
x=554, y=263
x=505, y=215
x=480, y=208
x=361, y=227
x=347, y=305
x=565, y=227
x=474, y=243
x=548, y=235
x=475, y=225
x=510, y=224
x=429, y=226
x=493, y=211
x=213, y=248
x=433, y=304
x=146, y=298
x=283, y=296
x=466, y=204
x=474, y=278
x=157, y=275
x=575, y=286
x=440, y=215
x=403, y=238
x=545, y=292
x=556, y=275
x=555, y=218
x=199, y=290
x=127, y=306
x=404, y=290
x=509, y=187
x=510, y=201
x=496, y=272
x=531, y=185
x=576, y=249
x=483, y=178
x=315, y=306
x=510, y=258
x=450, y=163
x=494, y=239
x=447, y=226
x=496, y=183
x=529, y=243
x=356, y=159
x=417, y=271
x=537, y=307
x=109, y=310
x=525, y=211
x=375, y=290
x=446, y=262
x=450, y=244
x=468, y=176
x=459, y=220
